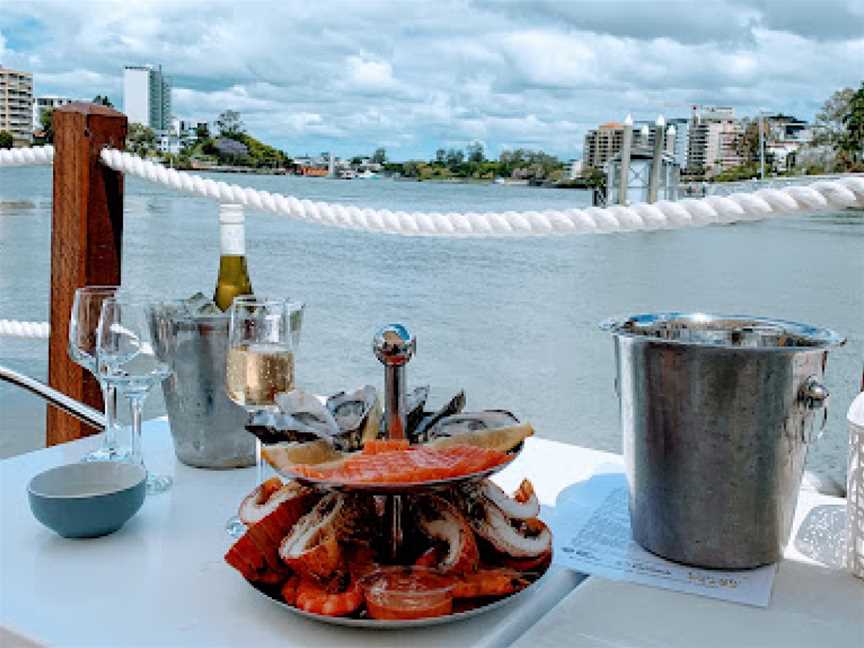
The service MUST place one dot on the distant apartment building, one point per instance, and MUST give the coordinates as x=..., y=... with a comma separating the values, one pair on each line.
x=605, y=142
x=785, y=135
x=713, y=138
x=147, y=97
x=601, y=144
x=572, y=169
x=43, y=104
x=190, y=126
x=16, y=105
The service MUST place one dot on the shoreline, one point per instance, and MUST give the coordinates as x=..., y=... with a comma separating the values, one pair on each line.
x=443, y=181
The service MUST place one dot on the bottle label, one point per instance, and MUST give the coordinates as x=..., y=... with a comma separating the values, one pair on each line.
x=232, y=239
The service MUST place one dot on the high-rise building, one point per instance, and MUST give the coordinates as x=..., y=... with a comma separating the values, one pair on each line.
x=16, y=105
x=601, y=144
x=713, y=141
x=43, y=104
x=147, y=97
x=605, y=142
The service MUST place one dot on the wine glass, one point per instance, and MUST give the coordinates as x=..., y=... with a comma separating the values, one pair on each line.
x=125, y=358
x=83, y=324
x=263, y=335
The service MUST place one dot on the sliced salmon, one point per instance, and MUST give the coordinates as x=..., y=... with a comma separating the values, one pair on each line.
x=377, y=446
x=413, y=464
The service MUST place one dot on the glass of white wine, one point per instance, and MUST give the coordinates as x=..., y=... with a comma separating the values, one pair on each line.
x=263, y=335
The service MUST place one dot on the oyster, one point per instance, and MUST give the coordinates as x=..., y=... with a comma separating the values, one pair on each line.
x=357, y=415
x=451, y=407
x=470, y=421
x=495, y=429
x=301, y=417
x=344, y=421
x=414, y=404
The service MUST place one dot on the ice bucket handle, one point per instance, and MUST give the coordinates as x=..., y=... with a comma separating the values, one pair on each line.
x=814, y=395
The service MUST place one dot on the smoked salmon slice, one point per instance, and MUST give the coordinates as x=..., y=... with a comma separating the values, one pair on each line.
x=413, y=464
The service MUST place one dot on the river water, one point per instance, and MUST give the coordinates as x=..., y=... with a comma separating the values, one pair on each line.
x=514, y=322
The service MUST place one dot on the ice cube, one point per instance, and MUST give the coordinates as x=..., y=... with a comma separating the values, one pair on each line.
x=199, y=305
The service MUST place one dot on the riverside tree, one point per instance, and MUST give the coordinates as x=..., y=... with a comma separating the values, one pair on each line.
x=46, y=122
x=102, y=100
x=476, y=154
x=6, y=140
x=140, y=139
x=230, y=125
x=851, y=142
x=829, y=120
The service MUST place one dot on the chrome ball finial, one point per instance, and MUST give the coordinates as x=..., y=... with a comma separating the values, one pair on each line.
x=394, y=345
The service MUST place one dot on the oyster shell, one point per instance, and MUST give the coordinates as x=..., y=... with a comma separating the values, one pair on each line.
x=451, y=407
x=414, y=404
x=470, y=421
x=358, y=416
x=344, y=421
x=301, y=417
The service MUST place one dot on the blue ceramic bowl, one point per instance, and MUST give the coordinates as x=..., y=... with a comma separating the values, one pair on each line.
x=87, y=500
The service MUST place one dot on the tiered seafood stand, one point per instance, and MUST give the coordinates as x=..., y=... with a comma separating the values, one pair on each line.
x=389, y=520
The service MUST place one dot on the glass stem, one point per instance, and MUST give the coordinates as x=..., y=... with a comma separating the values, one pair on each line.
x=109, y=398
x=136, y=404
x=259, y=462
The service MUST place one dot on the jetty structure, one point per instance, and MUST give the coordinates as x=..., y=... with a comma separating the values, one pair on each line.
x=643, y=173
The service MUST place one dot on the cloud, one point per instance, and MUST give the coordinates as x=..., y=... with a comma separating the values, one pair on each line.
x=349, y=76
x=369, y=75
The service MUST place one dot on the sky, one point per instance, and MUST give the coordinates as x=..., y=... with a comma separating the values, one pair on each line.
x=413, y=76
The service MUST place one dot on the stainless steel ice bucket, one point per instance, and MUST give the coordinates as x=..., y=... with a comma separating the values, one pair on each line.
x=717, y=413
x=208, y=428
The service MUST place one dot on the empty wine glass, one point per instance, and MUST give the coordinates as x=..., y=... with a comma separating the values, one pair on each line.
x=126, y=359
x=83, y=324
x=263, y=335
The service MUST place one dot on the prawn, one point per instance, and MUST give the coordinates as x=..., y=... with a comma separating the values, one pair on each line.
x=488, y=582
x=340, y=597
x=429, y=558
x=289, y=590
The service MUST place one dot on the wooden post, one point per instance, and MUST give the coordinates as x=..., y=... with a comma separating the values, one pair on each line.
x=86, y=242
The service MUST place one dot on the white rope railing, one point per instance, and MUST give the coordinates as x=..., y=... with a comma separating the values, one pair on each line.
x=33, y=156
x=765, y=203
x=15, y=328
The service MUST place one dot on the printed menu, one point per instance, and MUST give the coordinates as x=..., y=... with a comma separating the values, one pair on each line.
x=591, y=530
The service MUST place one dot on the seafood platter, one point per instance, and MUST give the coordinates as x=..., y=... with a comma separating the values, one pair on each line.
x=386, y=517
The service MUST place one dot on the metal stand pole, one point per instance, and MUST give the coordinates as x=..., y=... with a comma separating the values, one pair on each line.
x=394, y=346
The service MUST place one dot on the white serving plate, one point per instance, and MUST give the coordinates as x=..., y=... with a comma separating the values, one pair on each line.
x=375, y=624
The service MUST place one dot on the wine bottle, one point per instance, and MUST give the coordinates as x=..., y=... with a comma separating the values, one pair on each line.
x=233, y=277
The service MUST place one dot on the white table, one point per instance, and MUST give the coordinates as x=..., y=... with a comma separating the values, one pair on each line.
x=812, y=606
x=161, y=580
